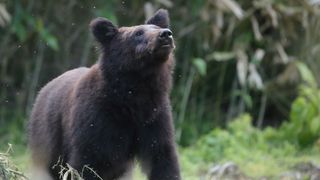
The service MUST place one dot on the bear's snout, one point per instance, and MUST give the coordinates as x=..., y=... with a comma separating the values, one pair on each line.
x=165, y=34
x=165, y=38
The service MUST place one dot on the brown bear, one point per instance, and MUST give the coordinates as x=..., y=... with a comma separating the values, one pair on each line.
x=112, y=113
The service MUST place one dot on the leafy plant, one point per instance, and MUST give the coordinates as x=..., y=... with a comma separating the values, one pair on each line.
x=303, y=126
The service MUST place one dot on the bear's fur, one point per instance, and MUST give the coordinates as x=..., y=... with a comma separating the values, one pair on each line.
x=109, y=114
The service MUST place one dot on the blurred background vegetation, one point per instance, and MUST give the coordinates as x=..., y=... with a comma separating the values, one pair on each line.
x=246, y=83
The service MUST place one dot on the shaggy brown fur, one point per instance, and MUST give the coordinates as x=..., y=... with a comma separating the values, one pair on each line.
x=115, y=111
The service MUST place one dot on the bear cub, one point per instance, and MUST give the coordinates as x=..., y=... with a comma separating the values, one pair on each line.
x=106, y=116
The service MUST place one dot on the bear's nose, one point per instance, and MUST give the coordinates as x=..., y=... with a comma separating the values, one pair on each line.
x=165, y=34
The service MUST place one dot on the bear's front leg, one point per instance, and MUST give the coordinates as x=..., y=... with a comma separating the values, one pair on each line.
x=164, y=165
x=157, y=152
x=103, y=148
x=83, y=163
x=92, y=168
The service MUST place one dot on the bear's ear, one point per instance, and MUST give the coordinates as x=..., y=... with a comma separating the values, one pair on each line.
x=103, y=29
x=160, y=18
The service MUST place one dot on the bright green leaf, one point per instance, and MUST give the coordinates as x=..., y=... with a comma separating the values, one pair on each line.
x=52, y=42
x=200, y=65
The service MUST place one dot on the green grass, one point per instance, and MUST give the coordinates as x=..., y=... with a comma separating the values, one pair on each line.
x=256, y=157
x=257, y=152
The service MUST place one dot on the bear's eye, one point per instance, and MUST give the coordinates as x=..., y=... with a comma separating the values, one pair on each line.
x=139, y=33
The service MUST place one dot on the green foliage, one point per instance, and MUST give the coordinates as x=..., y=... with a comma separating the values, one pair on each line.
x=264, y=152
x=259, y=152
x=24, y=25
x=44, y=33
x=305, y=117
x=248, y=48
x=236, y=141
x=200, y=65
x=304, y=125
x=306, y=74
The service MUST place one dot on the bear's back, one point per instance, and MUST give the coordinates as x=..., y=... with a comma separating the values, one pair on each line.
x=58, y=90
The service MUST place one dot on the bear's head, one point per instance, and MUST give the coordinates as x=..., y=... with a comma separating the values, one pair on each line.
x=136, y=47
